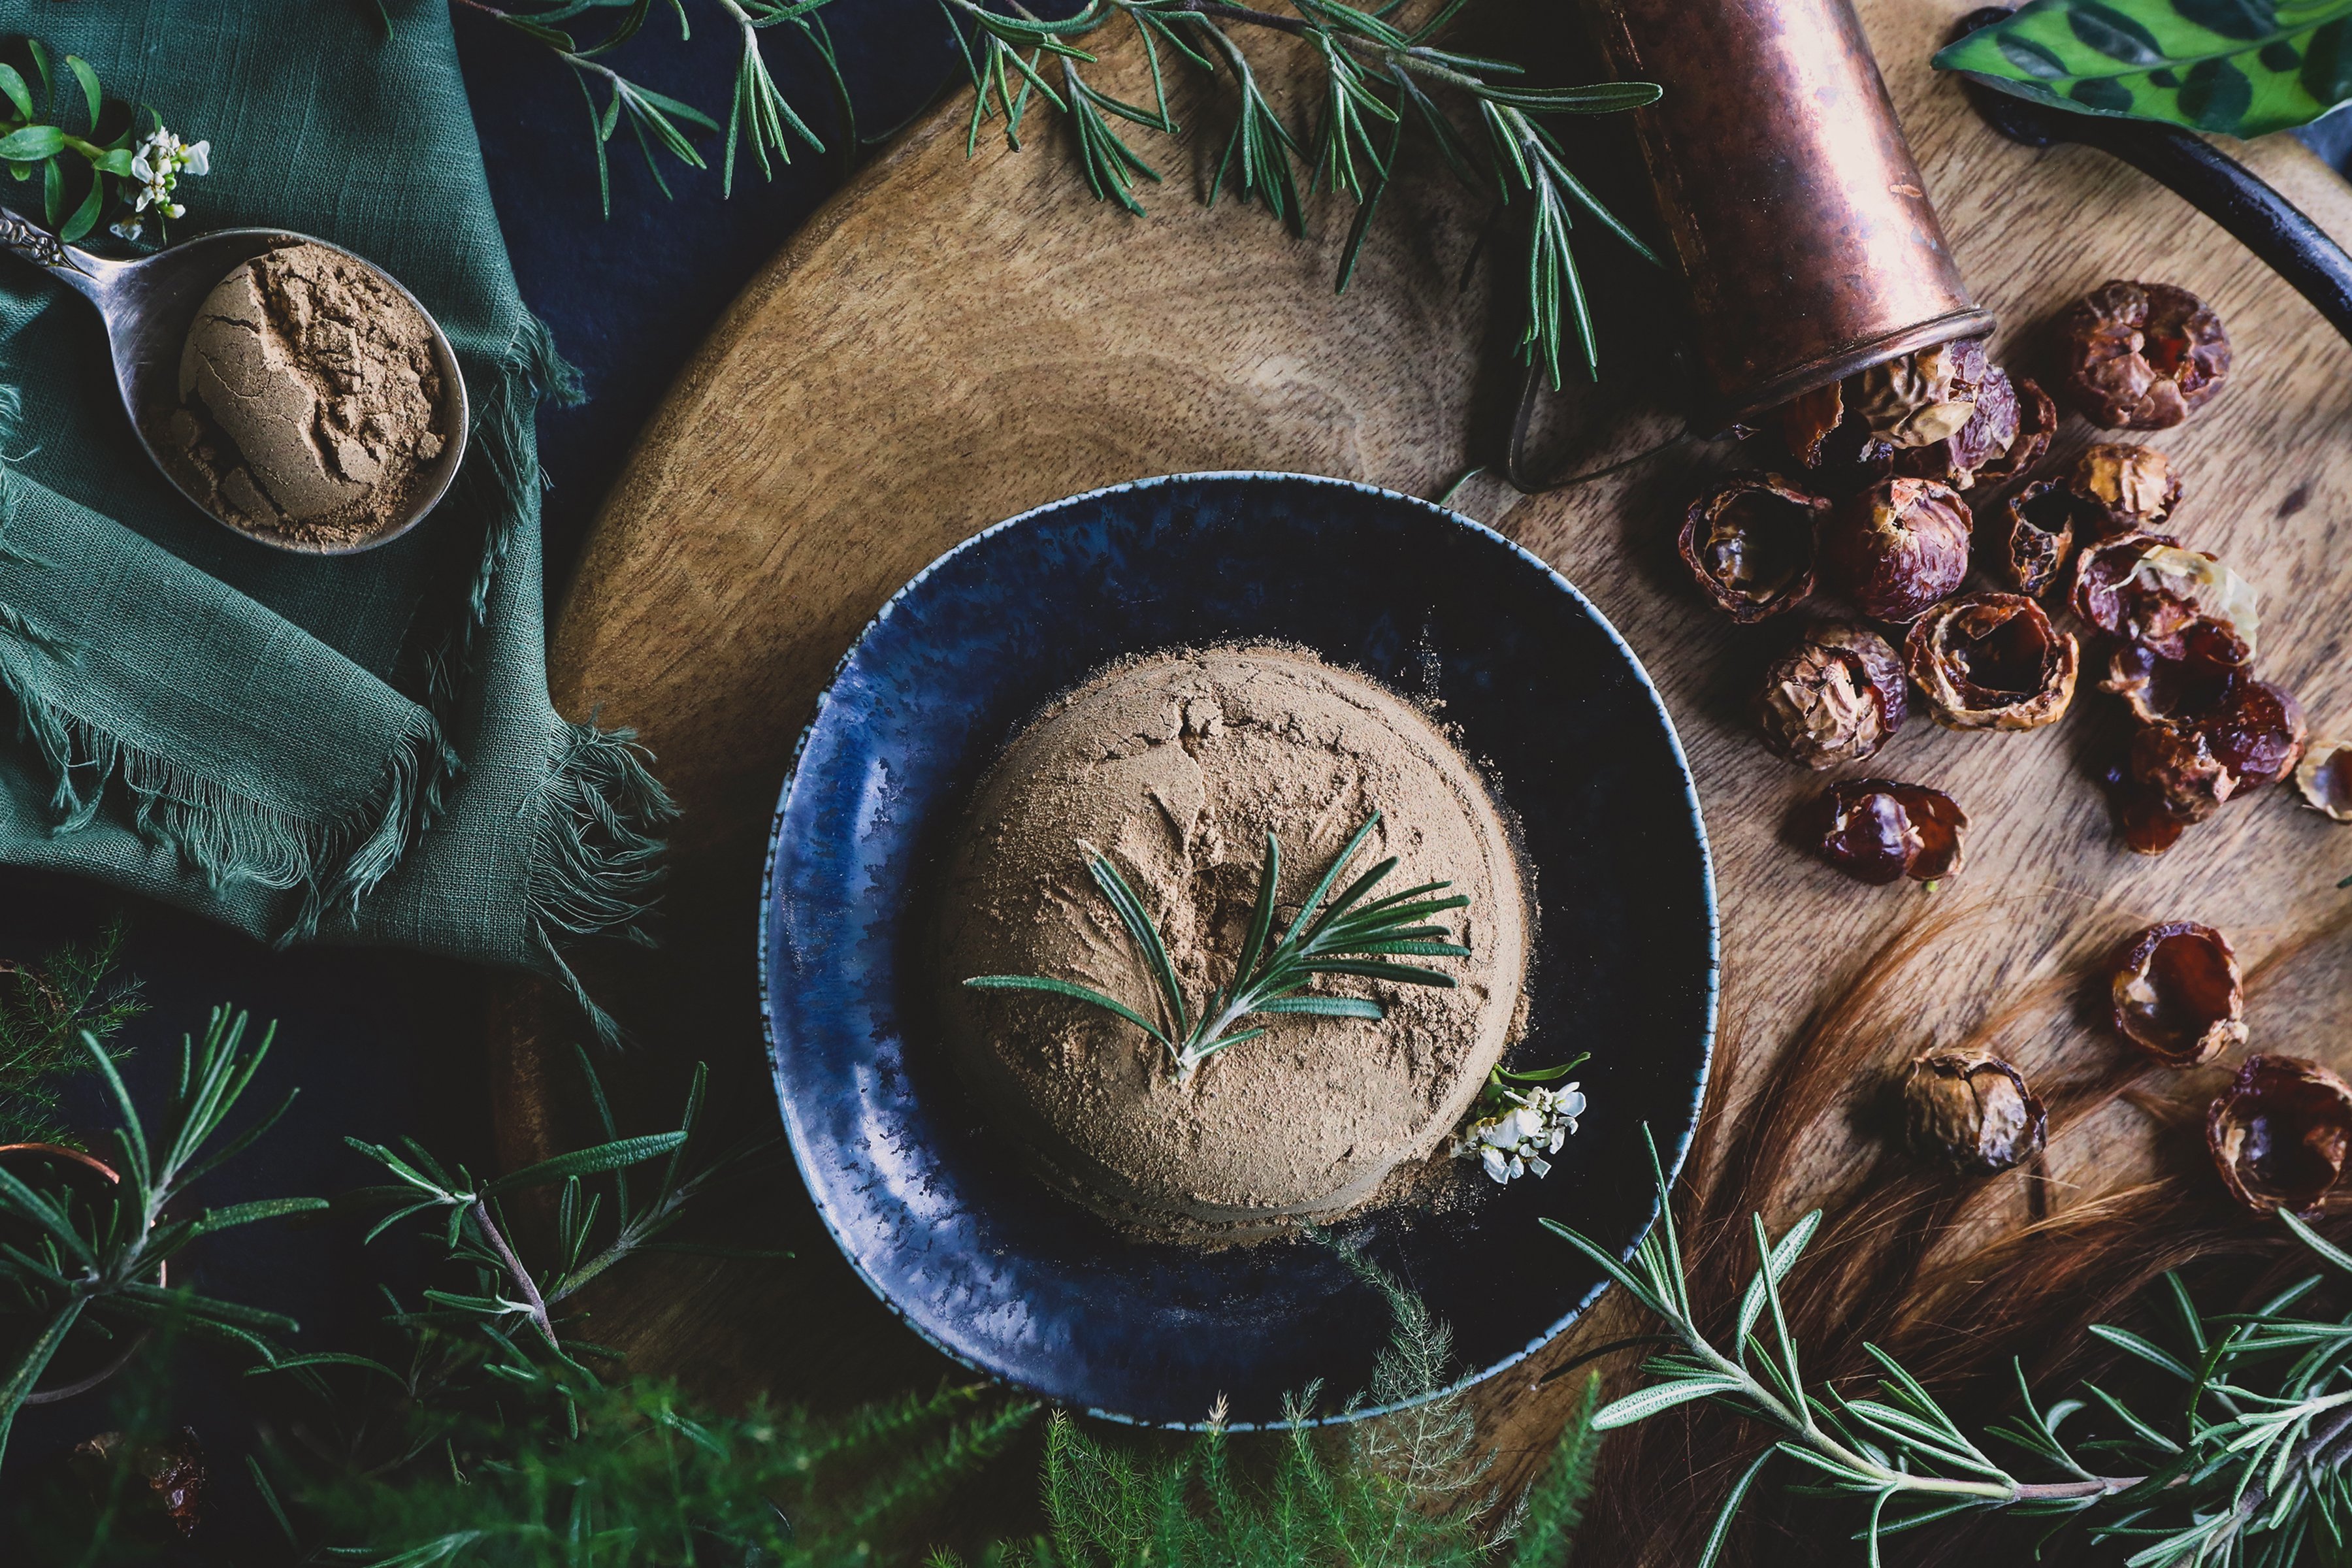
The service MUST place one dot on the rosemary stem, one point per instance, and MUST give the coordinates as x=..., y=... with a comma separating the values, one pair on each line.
x=480, y=1214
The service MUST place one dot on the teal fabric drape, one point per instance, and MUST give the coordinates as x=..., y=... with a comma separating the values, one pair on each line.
x=355, y=748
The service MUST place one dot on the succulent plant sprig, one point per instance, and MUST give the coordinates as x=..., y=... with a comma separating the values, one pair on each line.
x=1348, y=933
x=2249, y=1464
x=90, y=153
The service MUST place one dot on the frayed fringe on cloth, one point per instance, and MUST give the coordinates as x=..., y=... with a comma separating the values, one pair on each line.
x=226, y=834
x=596, y=853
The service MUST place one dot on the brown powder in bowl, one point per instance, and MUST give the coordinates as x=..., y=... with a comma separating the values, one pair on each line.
x=1176, y=766
x=309, y=403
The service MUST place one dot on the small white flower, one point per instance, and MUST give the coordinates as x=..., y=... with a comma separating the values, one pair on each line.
x=142, y=170
x=128, y=228
x=176, y=210
x=1512, y=1142
x=198, y=159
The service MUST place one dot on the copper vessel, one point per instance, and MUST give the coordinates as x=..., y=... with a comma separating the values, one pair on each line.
x=1805, y=236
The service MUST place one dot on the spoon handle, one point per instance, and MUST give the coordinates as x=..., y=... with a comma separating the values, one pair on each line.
x=78, y=270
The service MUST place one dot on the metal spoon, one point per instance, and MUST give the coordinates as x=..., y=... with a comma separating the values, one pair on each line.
x=149, y=305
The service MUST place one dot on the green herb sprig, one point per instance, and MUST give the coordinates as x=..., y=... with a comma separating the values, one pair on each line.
x=94, y=1262
x=85, y=172
x=1377, y=82
x=1347, y=936
x=513, y=1298
x=46, y=1008
x=2246, y=1467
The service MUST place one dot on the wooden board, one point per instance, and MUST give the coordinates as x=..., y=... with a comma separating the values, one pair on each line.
x=950, y=342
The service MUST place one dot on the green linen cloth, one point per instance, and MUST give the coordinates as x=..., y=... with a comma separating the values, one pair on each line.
x=357, y=748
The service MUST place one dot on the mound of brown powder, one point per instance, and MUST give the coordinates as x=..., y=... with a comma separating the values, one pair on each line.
x=309, y=404
x=1176, y=766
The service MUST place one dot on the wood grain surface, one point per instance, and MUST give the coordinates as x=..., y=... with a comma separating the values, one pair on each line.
x=951, y=341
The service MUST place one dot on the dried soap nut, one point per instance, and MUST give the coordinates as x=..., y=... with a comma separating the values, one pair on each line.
x=1835, y=698
x=2141, y=356
x=2172, y=768
x=1959, y=459
x=2257, y=732
x=1898, y=547
x=1972, y=1110
x=1879, y=831
x=2037, y=534
x=2128, y=489
x=2278, y=1134
x=1806, y=423
x=2251, y=735
x=1749, y=543
x=1992, y=661
x=2163, y=690
x=1920, y=399
x=2144, y=588
x=2037, y=422
x=173, y=1469
x=2325, y=779
x=2177, y=994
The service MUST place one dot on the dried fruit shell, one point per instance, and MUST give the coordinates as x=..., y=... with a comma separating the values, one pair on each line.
x=2037, y=422
x=1972, y=1108
x=1880, y=831
x=2280, y=1134
x=2144, y=588
x=1970, y=452
x=1748, y=542
x=1919, y=398
x=1899, y=546
x=2034, y=538
x=2141, y=356
x=2325, y=778
x=1806, y=423
x=2177, y=994
x=1836, y=697
x=1992, y=661
x=2128, y=489
x=2163, y=690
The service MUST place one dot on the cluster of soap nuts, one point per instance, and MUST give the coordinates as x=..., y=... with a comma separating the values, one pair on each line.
x=1878, y=513
x=2280, y=1134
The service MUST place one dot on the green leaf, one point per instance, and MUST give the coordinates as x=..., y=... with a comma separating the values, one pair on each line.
x=2146, y=1350
x=1722, y=1530
x=85, y=216
x=248, y=1213
x=1065, y=988
x=92, y=99
x=32, y=144
x=1783, y=1257
x=2242, y=67
x=114, y=161
x=1323, y=1007
x=12, y=85
x=1642, y=1404
x=586, y=1162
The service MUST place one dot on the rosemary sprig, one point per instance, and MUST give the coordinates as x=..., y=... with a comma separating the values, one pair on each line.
x=2247, y=1467
x=1346, y=935
x=512, y=1297
x=1376, y=83
x=94, y=1261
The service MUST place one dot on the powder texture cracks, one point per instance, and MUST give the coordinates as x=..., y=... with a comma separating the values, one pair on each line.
x=309, y=400
x=1176, y=766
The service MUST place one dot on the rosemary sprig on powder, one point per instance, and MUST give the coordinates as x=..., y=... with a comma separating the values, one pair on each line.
x=1347, y=936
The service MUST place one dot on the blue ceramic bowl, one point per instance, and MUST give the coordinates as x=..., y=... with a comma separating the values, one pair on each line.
x=946, y=1224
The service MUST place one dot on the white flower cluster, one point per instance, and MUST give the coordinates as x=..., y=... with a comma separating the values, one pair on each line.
x=161, y=159
x=1516, y=1142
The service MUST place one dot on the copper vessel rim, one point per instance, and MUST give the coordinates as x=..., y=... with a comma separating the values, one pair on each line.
x=1843, y=362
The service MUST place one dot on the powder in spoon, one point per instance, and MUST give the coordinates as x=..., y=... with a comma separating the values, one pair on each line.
x=309, y=404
